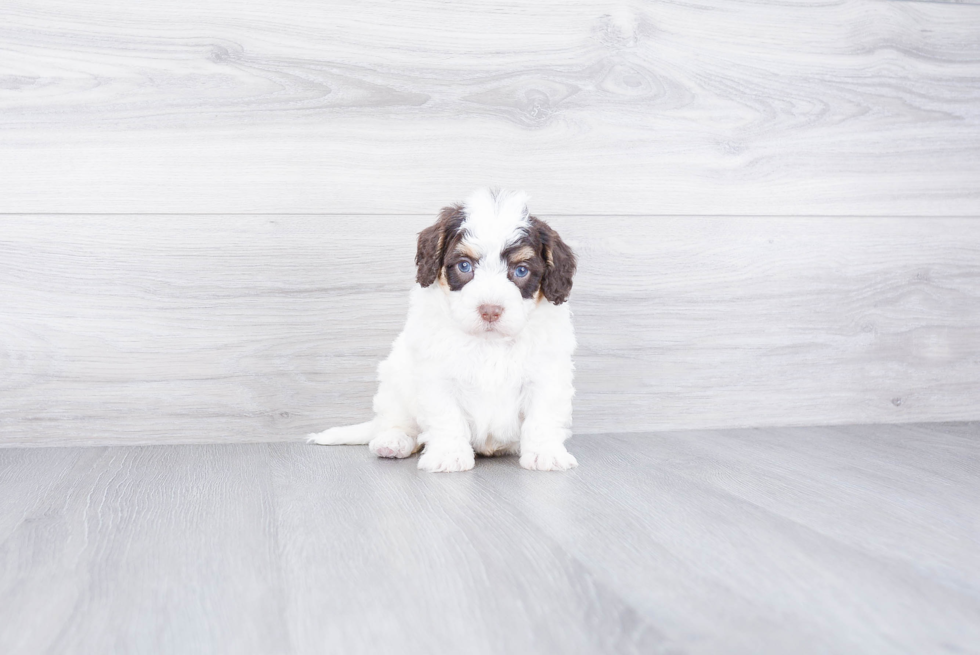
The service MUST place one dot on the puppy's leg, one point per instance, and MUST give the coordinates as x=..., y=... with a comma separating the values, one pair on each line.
x=397, y=429
x=445, y=433
x=444, y=455
x=548, y=455
x=548, y=417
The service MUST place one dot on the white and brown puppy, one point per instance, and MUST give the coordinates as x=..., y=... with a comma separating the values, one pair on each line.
x=484, y=362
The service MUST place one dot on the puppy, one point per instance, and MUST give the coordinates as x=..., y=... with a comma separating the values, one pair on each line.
x=484, y=362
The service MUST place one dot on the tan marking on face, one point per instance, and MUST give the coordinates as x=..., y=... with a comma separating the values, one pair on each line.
x=465, y=249
x=521, y=255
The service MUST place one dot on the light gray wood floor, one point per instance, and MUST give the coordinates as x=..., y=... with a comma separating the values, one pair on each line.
x=847, y=539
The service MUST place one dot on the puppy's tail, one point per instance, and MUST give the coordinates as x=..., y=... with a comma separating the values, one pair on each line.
x=348, y=435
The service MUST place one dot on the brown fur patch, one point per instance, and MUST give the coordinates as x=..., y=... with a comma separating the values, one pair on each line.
x=559, y=260
x=433, y=242
x=525, y=253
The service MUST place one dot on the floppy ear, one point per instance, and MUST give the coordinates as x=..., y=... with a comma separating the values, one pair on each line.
x=559, y=263
x=432, y=244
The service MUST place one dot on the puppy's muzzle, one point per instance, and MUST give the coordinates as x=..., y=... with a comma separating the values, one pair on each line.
x=491, y=313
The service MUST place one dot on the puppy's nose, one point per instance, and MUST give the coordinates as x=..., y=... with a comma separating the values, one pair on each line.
x=491, y=313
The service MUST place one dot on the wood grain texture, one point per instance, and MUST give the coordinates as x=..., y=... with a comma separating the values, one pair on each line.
x=709, y=107
x=810, y=540
x=190, y=329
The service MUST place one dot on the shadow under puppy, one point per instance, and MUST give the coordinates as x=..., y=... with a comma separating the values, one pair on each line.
x=484, y=362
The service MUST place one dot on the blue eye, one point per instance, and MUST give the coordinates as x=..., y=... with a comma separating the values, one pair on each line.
x=521, y=271
x=464, y=267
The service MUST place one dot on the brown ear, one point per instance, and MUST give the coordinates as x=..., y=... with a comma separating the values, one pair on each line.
x=432, y=244
x=559, y=263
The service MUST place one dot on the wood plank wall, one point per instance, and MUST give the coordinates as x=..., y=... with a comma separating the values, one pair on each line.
x=207, y=208
x=687, y=107
x=192, y=328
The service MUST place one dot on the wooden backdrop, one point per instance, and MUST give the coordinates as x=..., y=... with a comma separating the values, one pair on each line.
x=776, y=204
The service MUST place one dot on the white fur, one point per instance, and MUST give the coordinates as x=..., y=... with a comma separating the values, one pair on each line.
x=454, y=386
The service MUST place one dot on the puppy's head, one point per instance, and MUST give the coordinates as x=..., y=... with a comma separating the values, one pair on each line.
x=494, y=262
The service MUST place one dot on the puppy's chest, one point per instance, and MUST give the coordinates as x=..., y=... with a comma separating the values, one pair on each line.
x=490, y=384
x=490, y=369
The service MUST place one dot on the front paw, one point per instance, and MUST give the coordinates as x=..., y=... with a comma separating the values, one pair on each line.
x=547, y=458
x=392, y=443
x=442, y=459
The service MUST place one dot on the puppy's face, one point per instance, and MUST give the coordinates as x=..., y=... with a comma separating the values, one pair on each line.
x=494, y=262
